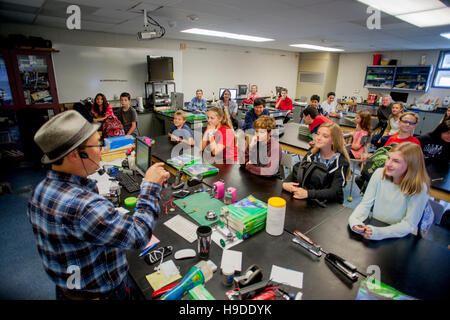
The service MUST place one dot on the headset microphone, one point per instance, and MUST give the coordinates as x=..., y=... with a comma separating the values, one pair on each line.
x=84, y=155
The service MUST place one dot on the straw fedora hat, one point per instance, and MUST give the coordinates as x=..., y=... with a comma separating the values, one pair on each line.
x=63, y=134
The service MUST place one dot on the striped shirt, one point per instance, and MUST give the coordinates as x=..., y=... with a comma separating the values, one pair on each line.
x=77, y=229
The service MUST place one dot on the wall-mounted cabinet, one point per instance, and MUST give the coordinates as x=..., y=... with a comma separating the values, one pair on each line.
x=398, y=78
x=379, y=77
x=27, y=80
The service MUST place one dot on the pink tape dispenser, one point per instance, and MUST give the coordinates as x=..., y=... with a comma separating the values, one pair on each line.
x=218, y=189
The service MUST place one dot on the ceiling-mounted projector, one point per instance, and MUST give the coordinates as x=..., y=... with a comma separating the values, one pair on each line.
x=145, y=35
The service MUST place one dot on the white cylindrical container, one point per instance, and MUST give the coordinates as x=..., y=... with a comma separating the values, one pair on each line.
x=276, y=211
x=140, y=103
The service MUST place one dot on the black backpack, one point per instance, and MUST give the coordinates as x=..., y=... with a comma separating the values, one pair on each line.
x=311, y=175
x=376, y=160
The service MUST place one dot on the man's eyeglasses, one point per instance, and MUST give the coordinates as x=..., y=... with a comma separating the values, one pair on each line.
x=408, y=122
x=102, y=145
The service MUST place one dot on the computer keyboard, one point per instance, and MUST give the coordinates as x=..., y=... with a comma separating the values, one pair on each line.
x=128, y=182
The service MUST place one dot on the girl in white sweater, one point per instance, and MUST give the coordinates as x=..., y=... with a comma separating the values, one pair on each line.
x=398, y=193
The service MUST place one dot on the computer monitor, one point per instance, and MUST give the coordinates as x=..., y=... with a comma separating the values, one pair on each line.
x=143, y=155
x=278, y=91
x=242, y=89
x=399, y=96
x=232, y=91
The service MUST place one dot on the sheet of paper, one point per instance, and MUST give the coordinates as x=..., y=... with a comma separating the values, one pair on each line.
x=287, y=276
x=123, y=210
x=153, y=241
x=103, y=182
x=158, y=280
x=231, y=258
x=117, y=162
x=217, y=236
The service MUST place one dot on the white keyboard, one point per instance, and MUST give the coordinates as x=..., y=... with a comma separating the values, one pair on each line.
x=183, y=227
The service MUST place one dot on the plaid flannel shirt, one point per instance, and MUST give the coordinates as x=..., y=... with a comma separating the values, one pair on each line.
x=77, y=229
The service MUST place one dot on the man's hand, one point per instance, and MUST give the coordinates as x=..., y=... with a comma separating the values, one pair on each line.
x=157, y=174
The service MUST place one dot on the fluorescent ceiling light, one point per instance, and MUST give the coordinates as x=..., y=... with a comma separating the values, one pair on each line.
x=221, y=34
x=313, y=47
x=397, y=7
x=417, y=12
x=446, y=35
x=438, y=17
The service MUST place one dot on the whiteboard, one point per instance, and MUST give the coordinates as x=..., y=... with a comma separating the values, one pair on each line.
x=84, y=71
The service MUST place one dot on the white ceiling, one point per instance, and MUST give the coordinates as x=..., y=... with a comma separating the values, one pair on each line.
x=334, y=23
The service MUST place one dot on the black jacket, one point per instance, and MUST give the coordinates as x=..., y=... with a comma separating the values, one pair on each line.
x=333, y=184
x=383, y=114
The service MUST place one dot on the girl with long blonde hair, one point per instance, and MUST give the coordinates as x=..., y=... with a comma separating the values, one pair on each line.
x=396, y=195
x=327, y=181
x=219, y=135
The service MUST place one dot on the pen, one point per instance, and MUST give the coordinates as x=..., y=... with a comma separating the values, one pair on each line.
x=208, y=189
x=437, y=179
x=147, y=250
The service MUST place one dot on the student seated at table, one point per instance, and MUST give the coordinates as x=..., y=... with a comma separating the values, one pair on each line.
x=226, y=102
x=312, y=118
x=252, y=96
x=361, y=135
x=180, y=132
x=198, y=104
x=329, y=106
x=327, y=181
x=436, y=145
x=127, y=115
x=263, y=154
x=284, y=102
x=219, y=136
x=254, y=113
x=396, y=195
x=101, y=109
x=393, y=124
x=315, y=102
x=383, y=112
x=408, y=122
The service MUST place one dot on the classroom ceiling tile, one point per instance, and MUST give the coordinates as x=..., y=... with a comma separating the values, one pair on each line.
x=12, y=16
x=30, y=3
x=338, y=23
x=111, y=4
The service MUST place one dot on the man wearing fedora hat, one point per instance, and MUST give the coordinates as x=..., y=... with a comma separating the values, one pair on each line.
x=80, y=235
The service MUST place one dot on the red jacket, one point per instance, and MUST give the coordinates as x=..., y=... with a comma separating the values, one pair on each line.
x=285, y=104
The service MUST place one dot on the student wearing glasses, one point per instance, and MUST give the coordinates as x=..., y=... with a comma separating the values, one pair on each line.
x=78, y=230
x=408, y=122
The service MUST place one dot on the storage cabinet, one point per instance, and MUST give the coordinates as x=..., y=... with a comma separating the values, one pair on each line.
x=27, y=94
x=31, y=80
x=379, y=77
x=398, y=78
x=413, y=78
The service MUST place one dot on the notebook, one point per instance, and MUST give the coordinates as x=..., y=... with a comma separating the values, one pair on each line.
x=204, y=169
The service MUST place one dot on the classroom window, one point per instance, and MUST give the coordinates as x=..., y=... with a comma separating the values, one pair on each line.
x=442, y=74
